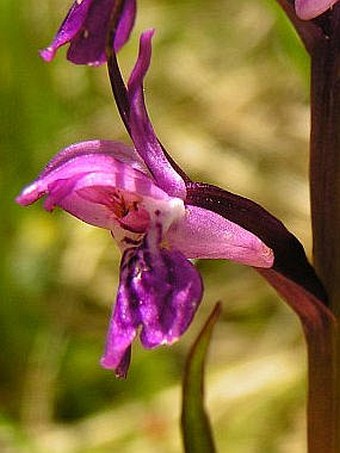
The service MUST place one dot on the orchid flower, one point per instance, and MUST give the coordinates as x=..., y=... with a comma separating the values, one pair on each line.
x=160, y=220
x=309, y=9
x=86, y=28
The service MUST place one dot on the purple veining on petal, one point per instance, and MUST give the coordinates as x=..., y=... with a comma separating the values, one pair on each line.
x=86, y=27
x=180, y=286
x=309, y=9
x=124, y=321
x=141, y=129
x=159, y=291
x=205, y=234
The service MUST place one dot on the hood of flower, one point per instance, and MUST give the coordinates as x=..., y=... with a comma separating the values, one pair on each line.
x=106, y=184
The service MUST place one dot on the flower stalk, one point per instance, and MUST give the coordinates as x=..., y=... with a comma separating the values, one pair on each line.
x=321, y=37
x=325, y=207
x=325, y=159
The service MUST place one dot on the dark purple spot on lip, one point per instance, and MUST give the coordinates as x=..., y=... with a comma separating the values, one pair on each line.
x=134, y=299
x=170, y=266
x=157, y=212
x=130, y=266
x=167, y=314
x=147, y=259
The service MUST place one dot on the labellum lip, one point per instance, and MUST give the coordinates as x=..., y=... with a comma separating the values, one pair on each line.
x=159, y=293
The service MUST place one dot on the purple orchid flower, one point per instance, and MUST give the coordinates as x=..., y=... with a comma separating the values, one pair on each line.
x=309, y=9
x=161, y=219
x=86, y=28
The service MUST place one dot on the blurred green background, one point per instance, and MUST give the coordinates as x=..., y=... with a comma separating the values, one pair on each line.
x=228, y=92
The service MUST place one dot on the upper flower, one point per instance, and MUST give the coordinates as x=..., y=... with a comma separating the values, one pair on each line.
x=309, y=9
x=86, y=28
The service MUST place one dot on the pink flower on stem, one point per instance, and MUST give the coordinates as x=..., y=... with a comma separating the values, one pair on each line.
x=160, y=220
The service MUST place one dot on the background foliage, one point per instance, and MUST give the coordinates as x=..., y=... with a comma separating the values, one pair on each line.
x=228, y=92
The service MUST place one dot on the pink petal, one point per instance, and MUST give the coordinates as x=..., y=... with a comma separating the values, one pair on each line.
x=111, y=149
x=204, y=234
x=142, y=132
x=309, y=9
x=68, y=29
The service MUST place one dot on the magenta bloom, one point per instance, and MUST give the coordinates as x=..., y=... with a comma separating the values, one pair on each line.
x=86, y=27
x=160, y=219
x=107, y=184
x=309, y=9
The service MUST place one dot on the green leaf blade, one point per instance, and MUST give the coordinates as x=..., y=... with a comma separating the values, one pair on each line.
x=196, y=429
